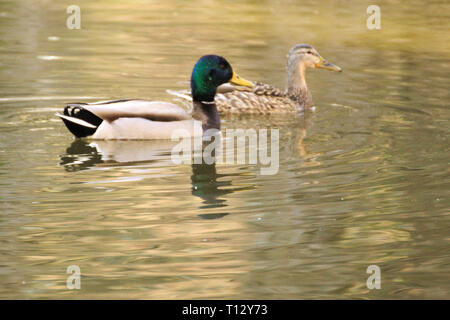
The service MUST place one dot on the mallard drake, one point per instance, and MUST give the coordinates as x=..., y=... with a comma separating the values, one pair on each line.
x=265, y=99
x=146, y=119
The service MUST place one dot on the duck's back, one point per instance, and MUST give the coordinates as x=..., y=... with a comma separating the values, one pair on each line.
x=148, y=109
x=261, y=99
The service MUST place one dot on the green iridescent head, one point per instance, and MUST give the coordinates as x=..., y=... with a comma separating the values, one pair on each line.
x=210, y=72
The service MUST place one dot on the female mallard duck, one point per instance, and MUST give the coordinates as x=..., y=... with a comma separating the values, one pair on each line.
x=265, y=99
x=146, y=119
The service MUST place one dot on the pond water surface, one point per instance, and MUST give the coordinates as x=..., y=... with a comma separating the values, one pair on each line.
x=363, y=180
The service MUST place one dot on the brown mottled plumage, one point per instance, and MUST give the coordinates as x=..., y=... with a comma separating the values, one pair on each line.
x=265, y=99
x=262, y=99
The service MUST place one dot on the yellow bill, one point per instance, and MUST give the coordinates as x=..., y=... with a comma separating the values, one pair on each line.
x=324, y=64
x=235, y=79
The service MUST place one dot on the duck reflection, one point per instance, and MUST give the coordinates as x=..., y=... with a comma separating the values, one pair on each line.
x=80, y=155
x=84, y=155
x=206, y=183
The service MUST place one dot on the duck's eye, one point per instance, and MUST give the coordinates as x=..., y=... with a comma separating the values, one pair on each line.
x=211, y=74
x=222, y=66
x=309, y=52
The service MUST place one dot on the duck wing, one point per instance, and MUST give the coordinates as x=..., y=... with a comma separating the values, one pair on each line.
x=261, y=99
x=146, y=109
x=83, y=119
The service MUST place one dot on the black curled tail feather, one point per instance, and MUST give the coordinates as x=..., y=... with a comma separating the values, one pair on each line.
x=76, y=110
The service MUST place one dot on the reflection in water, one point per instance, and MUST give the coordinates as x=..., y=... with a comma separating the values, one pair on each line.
x=83, y=155
x=80, y=155
x=205, y=185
